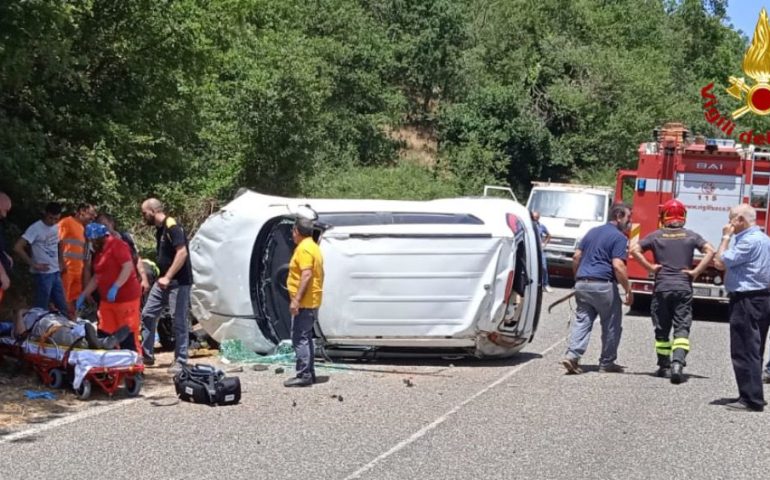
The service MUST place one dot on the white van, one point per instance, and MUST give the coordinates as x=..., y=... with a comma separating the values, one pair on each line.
x=452, y=275
x=568, y=211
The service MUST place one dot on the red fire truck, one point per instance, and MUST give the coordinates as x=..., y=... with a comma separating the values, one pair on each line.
x=709, y=176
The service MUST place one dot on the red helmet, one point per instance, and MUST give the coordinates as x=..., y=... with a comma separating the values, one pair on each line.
x=673, y=211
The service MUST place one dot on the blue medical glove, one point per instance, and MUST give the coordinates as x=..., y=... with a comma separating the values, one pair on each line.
x=80, y=301
x=113, y=293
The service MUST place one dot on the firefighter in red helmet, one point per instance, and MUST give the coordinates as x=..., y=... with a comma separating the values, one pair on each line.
x=673, y=248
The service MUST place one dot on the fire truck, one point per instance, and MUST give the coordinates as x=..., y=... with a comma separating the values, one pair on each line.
x=709, y=176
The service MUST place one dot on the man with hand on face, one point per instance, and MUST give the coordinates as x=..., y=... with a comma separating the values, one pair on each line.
x=599, y=265
x=42, y=237
x=747, y=262
x=173, y=286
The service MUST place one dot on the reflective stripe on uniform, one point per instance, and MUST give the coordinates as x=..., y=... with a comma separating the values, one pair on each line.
x=683, y=343
x=73, y=255
x=663, y=347
x=74, y=241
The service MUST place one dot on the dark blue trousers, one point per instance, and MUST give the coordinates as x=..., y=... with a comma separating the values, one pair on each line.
x=749, y=323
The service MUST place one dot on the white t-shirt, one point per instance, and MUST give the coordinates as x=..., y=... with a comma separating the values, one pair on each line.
x=44, y=241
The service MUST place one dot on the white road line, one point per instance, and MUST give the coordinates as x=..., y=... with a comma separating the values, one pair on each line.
x=88, y=412
x=443, y=418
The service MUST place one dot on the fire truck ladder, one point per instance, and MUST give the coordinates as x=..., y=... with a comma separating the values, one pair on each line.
x=761, y=200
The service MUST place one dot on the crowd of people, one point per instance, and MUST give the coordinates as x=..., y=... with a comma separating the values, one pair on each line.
x=743, y=254
x=83, y=258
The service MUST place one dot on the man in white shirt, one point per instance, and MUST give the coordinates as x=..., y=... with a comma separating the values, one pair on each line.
x=42, y=240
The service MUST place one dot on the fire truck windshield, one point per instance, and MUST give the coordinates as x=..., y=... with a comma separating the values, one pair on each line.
x=571, y=205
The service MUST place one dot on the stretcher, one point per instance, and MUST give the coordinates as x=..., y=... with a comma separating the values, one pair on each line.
x=107, y=369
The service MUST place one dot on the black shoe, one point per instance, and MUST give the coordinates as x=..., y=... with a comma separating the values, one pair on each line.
x=91, y=336
x=148, y=362
x=677, y=376
x=743, y=407
x=766, y=377
x=663, y=372
x=109, y=343
x=298, y=382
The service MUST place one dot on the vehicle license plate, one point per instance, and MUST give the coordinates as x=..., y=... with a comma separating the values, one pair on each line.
x=701, y=292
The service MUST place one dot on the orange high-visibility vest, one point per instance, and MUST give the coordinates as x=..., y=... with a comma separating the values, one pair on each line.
x=73, y=239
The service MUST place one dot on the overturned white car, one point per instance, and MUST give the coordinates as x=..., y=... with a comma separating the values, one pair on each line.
x=449, y=276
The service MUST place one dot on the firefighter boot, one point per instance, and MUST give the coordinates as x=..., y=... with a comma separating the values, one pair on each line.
x=677, y=376
x=664, y=366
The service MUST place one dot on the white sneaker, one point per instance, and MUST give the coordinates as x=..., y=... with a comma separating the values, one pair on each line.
x=548, y=289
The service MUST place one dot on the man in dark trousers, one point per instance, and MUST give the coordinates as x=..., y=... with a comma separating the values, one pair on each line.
x=173, y=286
x=599, y=265
x=305, y=286
x=673, y=247
x=747, y=262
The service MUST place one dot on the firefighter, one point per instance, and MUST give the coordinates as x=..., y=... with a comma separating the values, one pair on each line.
x=673, y=248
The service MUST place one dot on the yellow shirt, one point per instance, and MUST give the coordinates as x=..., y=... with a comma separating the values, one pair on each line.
x=306, y=256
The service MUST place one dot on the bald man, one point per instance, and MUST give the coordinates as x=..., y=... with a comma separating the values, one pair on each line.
x=172, y=288
x=6, y=262
x=744, y=253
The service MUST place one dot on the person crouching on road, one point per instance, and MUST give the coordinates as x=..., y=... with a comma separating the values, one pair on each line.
x=115, y=278
x=305, y=285
x=747, y=263
x=599, y=264
x=673, y=248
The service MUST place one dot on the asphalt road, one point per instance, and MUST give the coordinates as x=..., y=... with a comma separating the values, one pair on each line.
x=521, y=418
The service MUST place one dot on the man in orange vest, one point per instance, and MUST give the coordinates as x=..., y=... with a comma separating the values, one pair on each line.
x=72, y=242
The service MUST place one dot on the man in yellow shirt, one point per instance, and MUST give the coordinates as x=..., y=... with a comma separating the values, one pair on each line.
x=72, y=241
x=305, y=285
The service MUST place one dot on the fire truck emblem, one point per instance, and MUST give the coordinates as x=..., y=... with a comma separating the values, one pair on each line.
x=756, y=64
x=708, y=188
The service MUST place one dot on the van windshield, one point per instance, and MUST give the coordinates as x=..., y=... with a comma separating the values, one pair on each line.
x=572, y=205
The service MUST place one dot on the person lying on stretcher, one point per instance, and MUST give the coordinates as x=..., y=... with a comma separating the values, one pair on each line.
x=52, y=327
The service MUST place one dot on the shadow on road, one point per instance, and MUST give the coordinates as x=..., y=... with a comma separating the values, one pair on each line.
x=438, y=361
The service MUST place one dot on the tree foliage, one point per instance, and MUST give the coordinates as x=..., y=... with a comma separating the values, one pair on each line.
x=189, y=100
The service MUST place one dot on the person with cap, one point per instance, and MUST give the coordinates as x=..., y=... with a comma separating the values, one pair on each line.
x=673, y=249
x=747, y=262
x=6, y=262
x=42, y=239
x=173, y=286
x=72, y=243
x=305, y=286
x=115, y=278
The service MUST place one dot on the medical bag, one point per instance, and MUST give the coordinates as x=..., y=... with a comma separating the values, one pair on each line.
x=206, y=384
